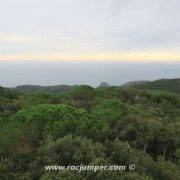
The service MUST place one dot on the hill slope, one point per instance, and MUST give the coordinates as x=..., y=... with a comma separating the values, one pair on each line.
x=35, y=88
x=172, y=85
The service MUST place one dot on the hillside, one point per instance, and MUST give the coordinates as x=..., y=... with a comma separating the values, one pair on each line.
x=172, y=85
x=35, y=88
x=132, y=83
x=104, y=85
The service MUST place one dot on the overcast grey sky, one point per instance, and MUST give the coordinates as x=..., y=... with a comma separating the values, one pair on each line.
x=86, y=29
x=89, y=26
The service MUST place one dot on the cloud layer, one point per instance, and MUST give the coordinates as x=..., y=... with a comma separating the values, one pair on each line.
x=89, y=27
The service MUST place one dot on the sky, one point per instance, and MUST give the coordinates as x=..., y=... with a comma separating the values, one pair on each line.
x=71, y=34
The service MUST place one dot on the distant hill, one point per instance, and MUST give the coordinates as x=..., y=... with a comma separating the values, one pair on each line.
x=104, y=84
x=172, y=85
x=35, y=88
x=133, y=83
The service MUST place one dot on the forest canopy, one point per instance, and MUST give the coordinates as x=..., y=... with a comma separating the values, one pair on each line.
x=90, y=126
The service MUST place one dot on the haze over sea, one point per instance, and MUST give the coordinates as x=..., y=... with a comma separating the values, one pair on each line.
x=51, y=42
x=13, y=73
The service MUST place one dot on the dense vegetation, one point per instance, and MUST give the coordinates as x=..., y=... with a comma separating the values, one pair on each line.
x=35, y=88
x=172, y=85
x=90, y=126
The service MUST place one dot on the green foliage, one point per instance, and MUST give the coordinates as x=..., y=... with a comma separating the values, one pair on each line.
x=102, y=126
x=172, y=85
x=33, y=124
x=9, y=103
x=7, y=93
x=69, y=150
x=81, y=96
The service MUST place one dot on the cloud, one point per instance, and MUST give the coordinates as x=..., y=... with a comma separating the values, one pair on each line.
x=89, y=26
x=122, y=57
x=17, y=39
